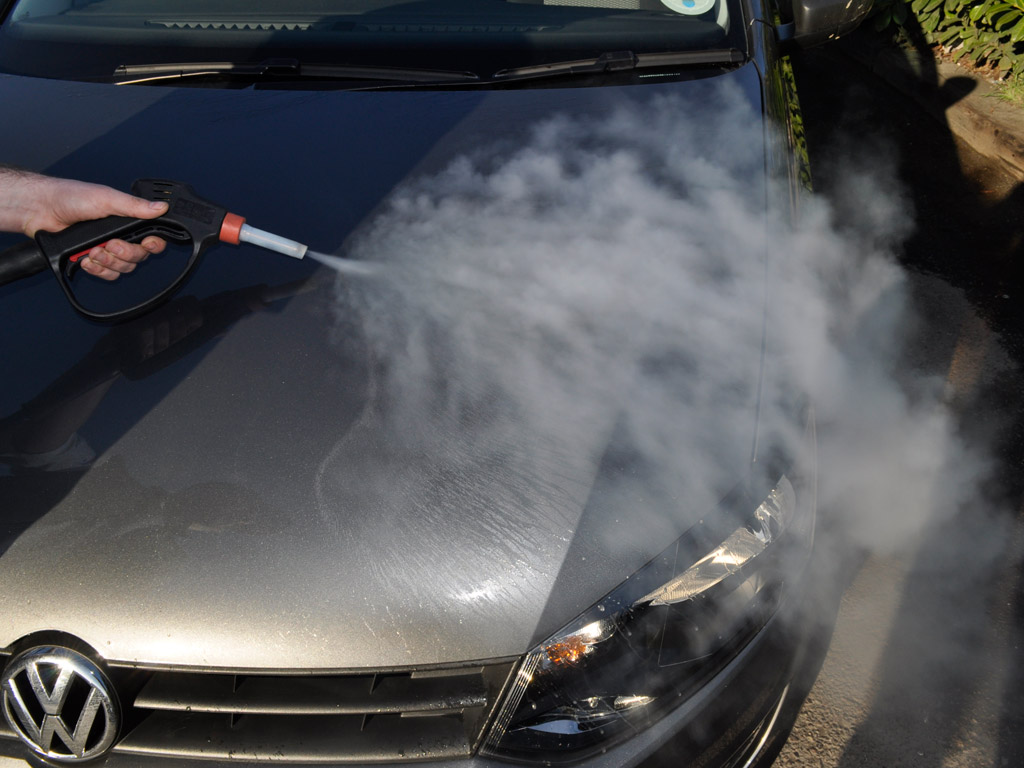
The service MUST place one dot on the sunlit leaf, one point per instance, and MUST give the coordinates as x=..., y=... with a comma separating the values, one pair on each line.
x=984, y=31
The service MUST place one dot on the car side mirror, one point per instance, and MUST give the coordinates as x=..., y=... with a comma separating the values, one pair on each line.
x=816, y=21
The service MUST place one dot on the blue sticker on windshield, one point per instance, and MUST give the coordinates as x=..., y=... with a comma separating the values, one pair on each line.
x=689, y=7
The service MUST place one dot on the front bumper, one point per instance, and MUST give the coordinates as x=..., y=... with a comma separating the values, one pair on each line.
x=736, y=720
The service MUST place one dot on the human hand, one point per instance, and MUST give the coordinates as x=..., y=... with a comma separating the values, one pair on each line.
x=30, y=202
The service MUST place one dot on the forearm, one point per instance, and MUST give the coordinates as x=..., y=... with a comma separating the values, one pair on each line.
x=20, y=192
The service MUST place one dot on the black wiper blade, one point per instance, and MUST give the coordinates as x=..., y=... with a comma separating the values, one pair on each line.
x=621, y=61
x=129, y=74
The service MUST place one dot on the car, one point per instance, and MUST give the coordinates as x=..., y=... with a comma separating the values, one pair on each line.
x=501, y=472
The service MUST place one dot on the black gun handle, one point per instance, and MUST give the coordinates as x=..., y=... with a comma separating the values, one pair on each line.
x=21, y=261
x=62, y=248
x=57, y=249
x=189, y=220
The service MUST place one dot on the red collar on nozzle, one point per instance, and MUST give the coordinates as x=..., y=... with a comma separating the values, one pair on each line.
x=231, y=228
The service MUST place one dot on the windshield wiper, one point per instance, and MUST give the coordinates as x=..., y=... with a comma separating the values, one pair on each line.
x=390, y=77
x=621, y=61
x=130, y=74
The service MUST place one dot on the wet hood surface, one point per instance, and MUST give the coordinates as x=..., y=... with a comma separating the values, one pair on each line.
x=280, y=469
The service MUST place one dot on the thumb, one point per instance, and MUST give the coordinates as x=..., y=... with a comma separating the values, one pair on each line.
x=122, y=204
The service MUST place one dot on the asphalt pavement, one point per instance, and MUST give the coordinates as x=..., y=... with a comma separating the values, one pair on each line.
x=926, y=662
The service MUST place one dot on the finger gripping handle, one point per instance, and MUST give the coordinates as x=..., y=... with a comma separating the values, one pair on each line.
x=59, y=247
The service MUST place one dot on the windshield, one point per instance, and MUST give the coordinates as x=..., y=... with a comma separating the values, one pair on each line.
x=91, y=39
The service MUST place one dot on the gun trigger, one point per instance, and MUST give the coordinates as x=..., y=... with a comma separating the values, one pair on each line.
x=82, y=254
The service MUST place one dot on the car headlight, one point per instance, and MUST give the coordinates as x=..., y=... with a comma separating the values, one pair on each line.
x=656, y=638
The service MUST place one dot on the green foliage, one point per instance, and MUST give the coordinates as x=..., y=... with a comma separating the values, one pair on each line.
x=989, y=33
x=1011, y=91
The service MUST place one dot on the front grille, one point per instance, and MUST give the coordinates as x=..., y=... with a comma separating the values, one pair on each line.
x=346, y=718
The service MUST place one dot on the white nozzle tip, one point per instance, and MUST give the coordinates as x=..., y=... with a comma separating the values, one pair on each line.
x=271, y=242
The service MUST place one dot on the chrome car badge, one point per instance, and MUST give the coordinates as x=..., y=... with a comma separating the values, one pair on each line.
x=60, y=704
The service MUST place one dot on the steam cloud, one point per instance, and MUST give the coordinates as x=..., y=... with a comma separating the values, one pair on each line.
x=615, y=277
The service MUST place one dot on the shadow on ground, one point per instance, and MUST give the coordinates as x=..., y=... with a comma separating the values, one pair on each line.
x=948, y=687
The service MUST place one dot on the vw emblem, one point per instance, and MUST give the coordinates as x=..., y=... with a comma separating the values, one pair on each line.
x=60, y=704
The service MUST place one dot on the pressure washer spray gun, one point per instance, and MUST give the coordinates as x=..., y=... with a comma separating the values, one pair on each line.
x=189, y=220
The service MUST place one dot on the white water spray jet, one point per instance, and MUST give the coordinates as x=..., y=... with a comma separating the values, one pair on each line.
x=349, y=267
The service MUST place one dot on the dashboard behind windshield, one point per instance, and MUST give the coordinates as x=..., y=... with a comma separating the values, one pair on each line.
x=90, y=39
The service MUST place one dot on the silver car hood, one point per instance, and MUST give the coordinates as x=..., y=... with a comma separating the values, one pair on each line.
x=251, y=484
